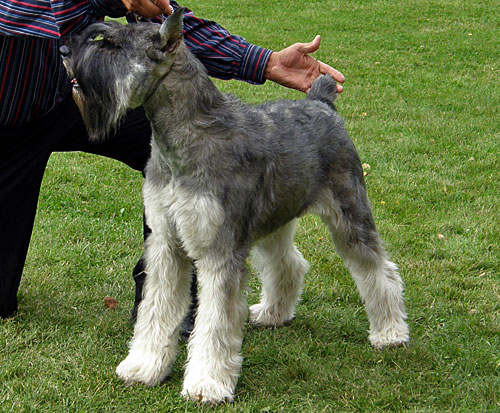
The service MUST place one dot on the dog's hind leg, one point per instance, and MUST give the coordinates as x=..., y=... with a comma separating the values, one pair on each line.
x=282, y=268
x=165, y=302
x=214, y=358
x=357, y=242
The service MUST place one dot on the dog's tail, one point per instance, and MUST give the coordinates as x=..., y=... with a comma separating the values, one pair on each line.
x=324, y=88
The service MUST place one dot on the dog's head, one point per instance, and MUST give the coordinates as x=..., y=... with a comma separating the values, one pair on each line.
x=114, y=67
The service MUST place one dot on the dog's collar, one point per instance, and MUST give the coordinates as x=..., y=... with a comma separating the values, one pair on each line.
x=157, y=85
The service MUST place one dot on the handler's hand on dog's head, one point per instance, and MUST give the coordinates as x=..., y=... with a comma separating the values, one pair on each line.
x=293, y=67
x=148, y=8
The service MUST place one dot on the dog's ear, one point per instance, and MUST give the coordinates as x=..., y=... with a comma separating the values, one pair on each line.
x=171, y=31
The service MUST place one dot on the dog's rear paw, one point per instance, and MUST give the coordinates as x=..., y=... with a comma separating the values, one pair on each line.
x=263, y=316
x=393, y=336
x=208, y=391
x=142, y=368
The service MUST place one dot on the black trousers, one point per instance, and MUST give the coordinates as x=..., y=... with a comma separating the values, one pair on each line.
x=24, y=152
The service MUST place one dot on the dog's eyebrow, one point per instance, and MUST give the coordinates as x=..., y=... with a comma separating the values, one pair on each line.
x=95, y=30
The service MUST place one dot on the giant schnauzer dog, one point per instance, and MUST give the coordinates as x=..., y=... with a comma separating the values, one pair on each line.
x=227, y=180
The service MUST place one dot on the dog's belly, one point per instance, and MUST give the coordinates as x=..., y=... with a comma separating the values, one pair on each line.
x=272, y=209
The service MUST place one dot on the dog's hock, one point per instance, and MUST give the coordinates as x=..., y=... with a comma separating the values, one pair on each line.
x=171, y=31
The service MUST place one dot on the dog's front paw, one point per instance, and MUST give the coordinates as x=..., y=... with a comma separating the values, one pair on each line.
x=208, y=391
x=264, y=316
x=392, y=336
x=142, y=368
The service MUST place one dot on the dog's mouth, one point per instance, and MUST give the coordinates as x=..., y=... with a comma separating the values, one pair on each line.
x=74, y=83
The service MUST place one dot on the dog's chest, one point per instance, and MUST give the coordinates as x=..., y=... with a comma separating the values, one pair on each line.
x=197, y=217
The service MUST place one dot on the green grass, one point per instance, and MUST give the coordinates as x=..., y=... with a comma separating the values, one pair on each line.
x=421, y=102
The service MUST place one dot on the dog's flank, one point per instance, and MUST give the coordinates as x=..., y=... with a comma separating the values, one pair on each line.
x=225, y=177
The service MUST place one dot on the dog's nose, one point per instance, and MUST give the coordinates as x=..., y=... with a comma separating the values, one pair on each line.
x=64, y=50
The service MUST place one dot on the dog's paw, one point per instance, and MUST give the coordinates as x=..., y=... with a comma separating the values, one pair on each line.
x=207, y=391
x=142, y=368
x=263, y=316
x=393, y=336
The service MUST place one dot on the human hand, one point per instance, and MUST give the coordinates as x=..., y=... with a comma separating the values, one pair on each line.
x=148, y=8
x=293, y=67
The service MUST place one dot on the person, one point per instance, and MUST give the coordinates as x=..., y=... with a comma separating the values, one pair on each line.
x=38, y=116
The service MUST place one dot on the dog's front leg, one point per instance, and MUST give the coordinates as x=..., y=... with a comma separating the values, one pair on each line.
x=165, y=302
x=214, y=359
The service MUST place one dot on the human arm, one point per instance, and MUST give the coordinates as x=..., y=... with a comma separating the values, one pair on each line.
x=228, y=56
x=224, y=55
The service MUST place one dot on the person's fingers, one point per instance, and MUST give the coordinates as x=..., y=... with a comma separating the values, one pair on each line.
x=150, y=11
x=325, y=69
x=310, y=47
x=149, y=8
x=164, y=5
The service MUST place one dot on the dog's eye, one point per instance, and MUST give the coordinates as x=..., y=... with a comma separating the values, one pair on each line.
x=98, y=38
x=104, y=42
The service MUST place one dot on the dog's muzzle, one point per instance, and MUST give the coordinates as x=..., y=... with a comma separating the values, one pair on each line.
x=65, y=52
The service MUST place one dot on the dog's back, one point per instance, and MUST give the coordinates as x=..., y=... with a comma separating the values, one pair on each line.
x=288, y=152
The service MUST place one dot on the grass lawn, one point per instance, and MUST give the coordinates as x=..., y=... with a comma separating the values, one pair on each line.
x=422, y=104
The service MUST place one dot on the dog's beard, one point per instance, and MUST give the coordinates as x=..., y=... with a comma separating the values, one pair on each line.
x=99, y=119
x=102, y=114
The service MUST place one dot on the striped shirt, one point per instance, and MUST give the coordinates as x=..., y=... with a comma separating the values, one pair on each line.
x=33, y=80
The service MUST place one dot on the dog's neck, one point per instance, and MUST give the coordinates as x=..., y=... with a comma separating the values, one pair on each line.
x=186, y=94
x=184, y=104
